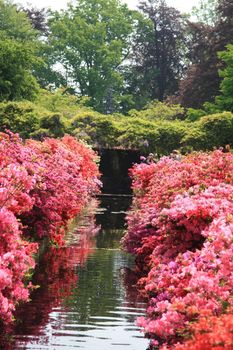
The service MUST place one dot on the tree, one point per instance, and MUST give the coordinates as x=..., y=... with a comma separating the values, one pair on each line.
x=91, y=40
x=14, y=23
x=16, y=63
x=201, y=82
x=38, y=18
x=224, y=101
x=138, y=73
x=206, y=12
x=158, y=50
x=18, y=54
x=225, y=10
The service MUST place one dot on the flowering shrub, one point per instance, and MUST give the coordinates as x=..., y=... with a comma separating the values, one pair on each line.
x=42, y=186
x=69, y=176
x=181, y=231
x=210, y=333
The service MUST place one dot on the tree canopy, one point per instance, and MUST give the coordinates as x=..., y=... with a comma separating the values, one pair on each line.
x=18, y=54
x=91, y=40
x=158, y=51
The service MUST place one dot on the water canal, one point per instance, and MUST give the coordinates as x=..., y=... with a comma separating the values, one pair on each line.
x=87, y=297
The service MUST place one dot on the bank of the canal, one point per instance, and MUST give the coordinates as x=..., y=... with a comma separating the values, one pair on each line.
x=87, y=297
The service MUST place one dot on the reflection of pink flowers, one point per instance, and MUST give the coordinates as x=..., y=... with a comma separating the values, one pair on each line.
x=181, y=231
x=42, y=186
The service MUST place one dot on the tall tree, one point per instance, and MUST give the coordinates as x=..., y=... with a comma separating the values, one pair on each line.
x=91, y=40
x=14, y=23
x=38, y=18
x=206, y=12
x=202, y=81
x=224, y=102
x=18, y=54
x=157, y=59
x=16, y=63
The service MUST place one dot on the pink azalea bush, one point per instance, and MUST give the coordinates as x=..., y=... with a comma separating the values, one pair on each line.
x=181, y=231
x=210, y=332
x=42, y=186
x=70, y=176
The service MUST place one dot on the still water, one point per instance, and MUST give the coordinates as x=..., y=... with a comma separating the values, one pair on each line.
x=87, y=297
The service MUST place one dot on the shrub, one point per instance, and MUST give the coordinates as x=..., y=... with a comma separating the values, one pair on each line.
x=210, y=131
x=19, y=117
x=210, y=333
x=95, y=128
x=157, y=111
x=218, y=129
x=180, y=229
x=42, y=186
x=26, y=119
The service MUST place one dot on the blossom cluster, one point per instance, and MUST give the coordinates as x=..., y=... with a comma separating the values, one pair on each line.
x=42, y=186
x=180, y=229
x=211, y=332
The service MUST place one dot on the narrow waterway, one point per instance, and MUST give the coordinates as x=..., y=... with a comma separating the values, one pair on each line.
x=87, y=297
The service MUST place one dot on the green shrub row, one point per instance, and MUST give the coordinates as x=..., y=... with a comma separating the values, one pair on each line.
x=159, y=128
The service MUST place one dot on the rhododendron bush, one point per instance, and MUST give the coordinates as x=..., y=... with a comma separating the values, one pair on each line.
x=180, y=229
x=214, y=332
x=42, y=186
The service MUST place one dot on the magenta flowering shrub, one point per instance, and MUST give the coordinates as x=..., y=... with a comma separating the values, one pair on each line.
x=181, y=231
x=210, y=332
x=42, y=186
x=69, y=177
x=15, y=252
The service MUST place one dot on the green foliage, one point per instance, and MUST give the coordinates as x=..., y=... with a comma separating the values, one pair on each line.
x=16, y=79
x=225, y=100
x=18, y=54
x=205, y=38
x=194, y=114
x=194, y=138
x=218, y=129
x=55, y=123
x=211, y=108
x=61, y=101
x=157, y=129
x=157, y=58
x=215, y=130
x=19, y=117
x=206, y=11
x=91, y=39
x=14, y=23
x=149, y=130
x=95, y=128
x=138, y=133
x=170, y=136
x=28, y=120
x=159, y=111
x=138, y=73
x=149, y=134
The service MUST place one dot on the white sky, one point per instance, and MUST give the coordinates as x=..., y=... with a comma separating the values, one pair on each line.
x=182, y=5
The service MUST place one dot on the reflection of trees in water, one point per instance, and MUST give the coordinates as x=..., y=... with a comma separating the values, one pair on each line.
x=113, y=216
x=104, y=285
x=109, y=238
x=99, y=290
x=56, y=275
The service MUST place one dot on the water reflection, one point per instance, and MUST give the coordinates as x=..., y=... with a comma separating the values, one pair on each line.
x=111, y=214
x=87, y=298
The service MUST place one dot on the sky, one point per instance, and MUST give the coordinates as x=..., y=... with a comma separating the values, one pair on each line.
x=182, y=5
